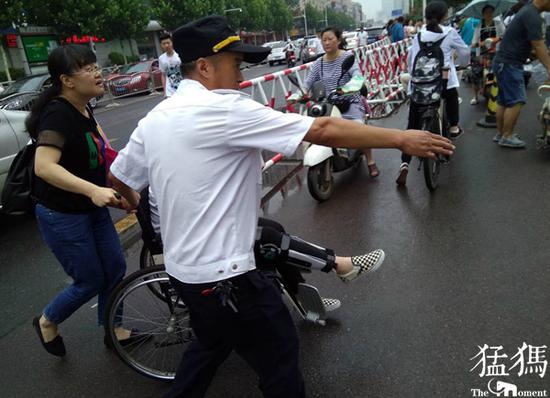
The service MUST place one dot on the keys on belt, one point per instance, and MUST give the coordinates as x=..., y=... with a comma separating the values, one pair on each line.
x=225, y=291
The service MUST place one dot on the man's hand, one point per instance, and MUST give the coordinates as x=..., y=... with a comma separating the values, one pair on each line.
x=425, y=145
x=124, y=204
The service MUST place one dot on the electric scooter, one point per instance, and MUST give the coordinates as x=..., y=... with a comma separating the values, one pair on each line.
x=323, y=161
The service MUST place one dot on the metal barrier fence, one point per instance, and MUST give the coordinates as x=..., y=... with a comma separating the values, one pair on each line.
x=381, y=63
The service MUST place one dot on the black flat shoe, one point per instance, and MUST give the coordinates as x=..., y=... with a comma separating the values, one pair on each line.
x=135, y=336
x=56, y=346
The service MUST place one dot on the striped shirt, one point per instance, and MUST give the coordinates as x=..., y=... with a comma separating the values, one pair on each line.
x=329, y=72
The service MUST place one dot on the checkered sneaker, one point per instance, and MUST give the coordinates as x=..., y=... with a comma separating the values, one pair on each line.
x=331, y=304
x=364, y=264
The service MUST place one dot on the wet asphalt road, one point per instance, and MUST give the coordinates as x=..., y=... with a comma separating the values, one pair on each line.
x=466, y=266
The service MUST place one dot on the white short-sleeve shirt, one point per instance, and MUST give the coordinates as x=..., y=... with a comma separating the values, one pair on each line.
x=200, y=151
x=170, y=66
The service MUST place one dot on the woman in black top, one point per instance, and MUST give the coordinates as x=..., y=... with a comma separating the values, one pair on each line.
x=71, y=193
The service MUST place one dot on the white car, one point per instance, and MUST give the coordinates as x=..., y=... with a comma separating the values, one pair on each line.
x=13, y=137
x=278, y=53
x=352, y=39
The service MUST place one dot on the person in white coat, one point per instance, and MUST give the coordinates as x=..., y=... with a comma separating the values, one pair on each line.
x=452, y=44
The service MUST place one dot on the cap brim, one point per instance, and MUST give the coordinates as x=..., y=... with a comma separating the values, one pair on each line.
x=251, y=53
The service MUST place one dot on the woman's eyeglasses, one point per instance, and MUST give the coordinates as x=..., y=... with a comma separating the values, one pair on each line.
x=90, y=70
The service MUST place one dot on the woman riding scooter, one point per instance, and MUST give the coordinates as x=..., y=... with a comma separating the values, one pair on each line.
x=328, y=70
x=489, y=28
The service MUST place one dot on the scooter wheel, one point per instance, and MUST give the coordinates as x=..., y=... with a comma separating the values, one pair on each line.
x=319, y=187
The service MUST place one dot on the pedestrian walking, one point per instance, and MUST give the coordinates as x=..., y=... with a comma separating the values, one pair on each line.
x=71, y=192
x=362, y=37
x=201, y=152
x=525, y=34
x=169, y=64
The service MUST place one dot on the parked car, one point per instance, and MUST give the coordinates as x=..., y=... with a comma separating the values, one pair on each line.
x=13, y=137
x=277, y=54
x=309, y=52
x=21, y=94
x=352, y=39
x=142, y=77
x=375, y=33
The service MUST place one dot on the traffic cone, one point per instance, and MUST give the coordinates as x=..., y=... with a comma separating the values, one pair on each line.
x=490, y=118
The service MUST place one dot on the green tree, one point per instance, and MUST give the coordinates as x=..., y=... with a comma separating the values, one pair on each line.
x=279, y=17
x=313, y=15
x=254, y=15
x=11, y=14
x=340, y=20
x=123, y=19
x=68, y=17
x=174, y=13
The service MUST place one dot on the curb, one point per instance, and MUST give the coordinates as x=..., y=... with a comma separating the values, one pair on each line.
x=128, y=230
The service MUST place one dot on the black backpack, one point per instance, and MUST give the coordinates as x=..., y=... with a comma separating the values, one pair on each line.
x=427, y=73
x=17, y=197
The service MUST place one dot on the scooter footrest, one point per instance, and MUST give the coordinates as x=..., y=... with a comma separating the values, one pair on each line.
x=312, y=303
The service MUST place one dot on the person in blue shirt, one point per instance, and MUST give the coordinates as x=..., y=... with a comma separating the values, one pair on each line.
x=397, y=31
x=467, y=31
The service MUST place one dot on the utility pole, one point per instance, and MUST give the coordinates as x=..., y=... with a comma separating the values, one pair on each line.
x=305, y=18
x=423, y=7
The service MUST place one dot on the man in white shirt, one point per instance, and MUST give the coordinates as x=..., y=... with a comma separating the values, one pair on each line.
x=362, y=37
x=200, y=150
x=169, y=64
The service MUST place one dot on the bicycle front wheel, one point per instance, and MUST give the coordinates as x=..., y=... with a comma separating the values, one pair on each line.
x=431, y=166
x=147, y=304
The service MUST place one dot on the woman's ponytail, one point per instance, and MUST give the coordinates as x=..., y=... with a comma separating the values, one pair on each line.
x=31, y=123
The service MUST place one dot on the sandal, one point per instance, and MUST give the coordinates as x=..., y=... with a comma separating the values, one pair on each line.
x=373, y=170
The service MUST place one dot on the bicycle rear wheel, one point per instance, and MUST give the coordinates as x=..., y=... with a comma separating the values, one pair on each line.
x=146, y=302
x=432, y=166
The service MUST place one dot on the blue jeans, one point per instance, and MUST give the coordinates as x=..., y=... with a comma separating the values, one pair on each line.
x=89, y=250
x=511, y=84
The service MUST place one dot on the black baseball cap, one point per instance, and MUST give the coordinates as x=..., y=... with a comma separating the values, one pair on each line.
x=211, y=35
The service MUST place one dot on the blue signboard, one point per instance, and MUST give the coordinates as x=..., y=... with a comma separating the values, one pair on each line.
x=397, y=13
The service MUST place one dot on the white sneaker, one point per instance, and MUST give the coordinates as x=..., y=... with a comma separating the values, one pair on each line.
x=364, y=264
x=402, y=176
x=474, y=101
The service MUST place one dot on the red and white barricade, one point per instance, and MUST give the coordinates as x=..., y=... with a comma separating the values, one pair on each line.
x=381, y=63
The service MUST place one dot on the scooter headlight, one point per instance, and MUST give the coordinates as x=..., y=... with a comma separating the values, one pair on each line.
x=317, y=110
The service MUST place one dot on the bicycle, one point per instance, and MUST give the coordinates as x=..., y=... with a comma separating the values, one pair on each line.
x=146, y=303
x=433, y=119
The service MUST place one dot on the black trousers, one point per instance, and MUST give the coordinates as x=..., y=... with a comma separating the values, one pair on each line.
x=262, y=332
x=451, y=110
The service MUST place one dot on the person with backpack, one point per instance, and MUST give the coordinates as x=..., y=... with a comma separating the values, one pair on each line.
x=434, y=45
x=72, y=196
